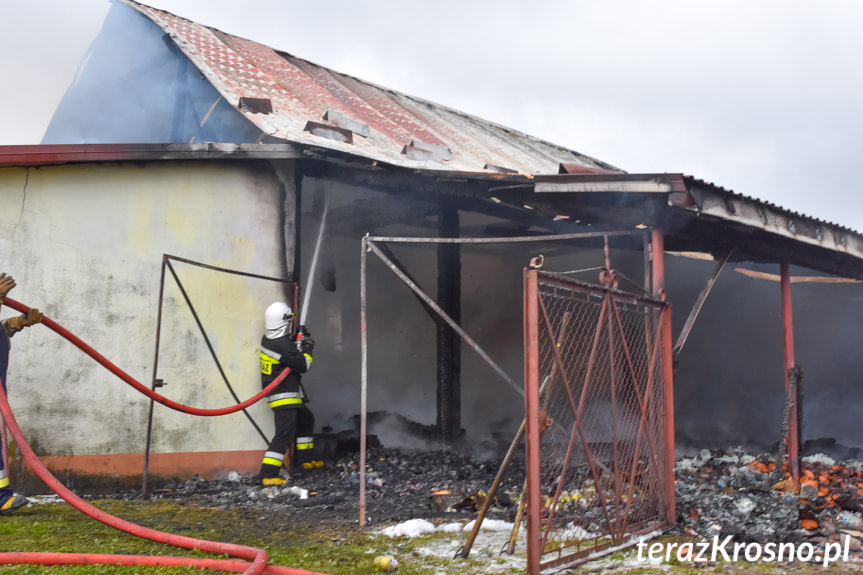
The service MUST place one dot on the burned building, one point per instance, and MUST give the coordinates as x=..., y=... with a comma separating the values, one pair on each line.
x=184, y=141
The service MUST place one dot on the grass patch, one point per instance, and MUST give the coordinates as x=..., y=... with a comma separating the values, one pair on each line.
x=58, y=527
x=302, y=544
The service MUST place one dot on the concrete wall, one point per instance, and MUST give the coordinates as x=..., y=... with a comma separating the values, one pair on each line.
x=85, y=244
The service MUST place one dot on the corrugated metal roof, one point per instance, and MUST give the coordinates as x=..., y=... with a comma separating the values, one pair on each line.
x=317, y=106
x=698, y=181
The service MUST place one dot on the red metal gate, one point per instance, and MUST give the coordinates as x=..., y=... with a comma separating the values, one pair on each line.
x=599, y=455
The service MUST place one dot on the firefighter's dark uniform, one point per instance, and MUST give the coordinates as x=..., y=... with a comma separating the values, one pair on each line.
x=295, y=422
x=9, y=501
x=5, y=490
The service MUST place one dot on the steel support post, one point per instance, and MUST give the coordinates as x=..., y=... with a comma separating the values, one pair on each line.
x=363, y=378
x=668, y=396
x=788, y=338
x=155, y=384
x=658, y=256
x=531, y=411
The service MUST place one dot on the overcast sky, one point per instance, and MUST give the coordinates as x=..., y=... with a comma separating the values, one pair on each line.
x=761, y=97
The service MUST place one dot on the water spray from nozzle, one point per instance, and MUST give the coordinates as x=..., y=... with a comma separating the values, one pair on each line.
x=304, y=308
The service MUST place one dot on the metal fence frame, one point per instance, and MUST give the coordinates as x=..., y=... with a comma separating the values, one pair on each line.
x=653, y=349
x=368, y=246
x=157, y=382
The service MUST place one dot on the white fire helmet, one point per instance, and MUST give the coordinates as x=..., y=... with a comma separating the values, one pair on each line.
x=278, y=315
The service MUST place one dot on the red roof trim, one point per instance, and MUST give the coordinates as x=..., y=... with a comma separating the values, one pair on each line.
x=41, y=155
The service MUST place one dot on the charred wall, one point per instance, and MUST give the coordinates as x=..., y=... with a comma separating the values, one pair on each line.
x=402, y=342
x=729, y=381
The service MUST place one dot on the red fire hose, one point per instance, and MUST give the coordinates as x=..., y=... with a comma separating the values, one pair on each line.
x=249, y=560
x=257, y=557
x=48, y=322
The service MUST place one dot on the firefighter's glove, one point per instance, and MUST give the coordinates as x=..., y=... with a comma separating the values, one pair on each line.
x=6, y=285
x=307, y=345
x=33, y=316
x=304, y=331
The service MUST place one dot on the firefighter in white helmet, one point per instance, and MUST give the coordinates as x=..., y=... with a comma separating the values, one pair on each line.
x=295, y=423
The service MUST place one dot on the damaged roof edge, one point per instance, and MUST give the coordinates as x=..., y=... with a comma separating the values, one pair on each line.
x=685, y=195
x=43, y=155
x=708, y=202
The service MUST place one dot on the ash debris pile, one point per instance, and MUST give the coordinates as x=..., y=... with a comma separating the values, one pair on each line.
x=755, y=499
x=401, y=483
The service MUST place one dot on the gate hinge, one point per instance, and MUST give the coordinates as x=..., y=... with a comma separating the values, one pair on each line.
x=536, y=263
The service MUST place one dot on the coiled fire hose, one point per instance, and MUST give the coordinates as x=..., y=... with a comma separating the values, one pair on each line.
x=248, y=560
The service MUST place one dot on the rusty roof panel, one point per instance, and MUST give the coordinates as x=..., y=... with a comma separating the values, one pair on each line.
x=300, y=92
x=390, y=118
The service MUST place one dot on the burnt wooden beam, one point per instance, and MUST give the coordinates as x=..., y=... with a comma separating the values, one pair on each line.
x=448, y=341
x=472, y=195
x=699, y=303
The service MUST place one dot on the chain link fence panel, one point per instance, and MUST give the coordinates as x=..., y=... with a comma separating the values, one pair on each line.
x=603, y=446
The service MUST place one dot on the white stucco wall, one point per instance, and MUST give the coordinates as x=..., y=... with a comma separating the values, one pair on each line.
x=85, y=245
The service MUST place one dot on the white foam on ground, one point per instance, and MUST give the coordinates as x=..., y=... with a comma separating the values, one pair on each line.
x=448, y=538
x=45, y=499
x=410, y=528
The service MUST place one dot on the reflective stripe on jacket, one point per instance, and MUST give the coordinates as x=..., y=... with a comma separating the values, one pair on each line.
x=276, y=355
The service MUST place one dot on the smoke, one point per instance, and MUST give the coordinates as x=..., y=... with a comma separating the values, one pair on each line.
x=729, y=386
x=135, y=86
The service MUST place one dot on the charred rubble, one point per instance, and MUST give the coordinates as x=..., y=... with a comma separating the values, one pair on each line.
x=754, y=499
x=436, y=481
x=400, y=485
x=751, y=498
